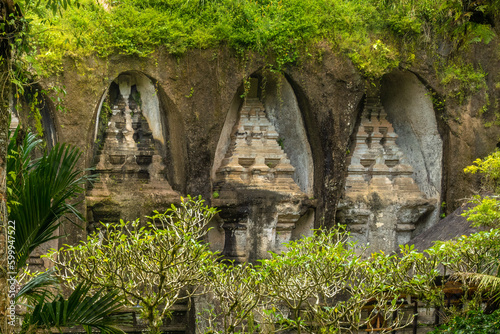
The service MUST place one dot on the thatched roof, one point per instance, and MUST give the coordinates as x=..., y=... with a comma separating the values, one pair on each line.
x=453, y=225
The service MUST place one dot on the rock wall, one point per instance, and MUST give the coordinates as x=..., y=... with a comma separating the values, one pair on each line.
x=410, y=111
x=305, y=128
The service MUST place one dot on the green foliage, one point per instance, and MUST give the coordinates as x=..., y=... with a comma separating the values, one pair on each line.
x=473, y=261
x=489, y=168
x=474, y=322
x=477, y=253
x=376, y=35
x=91, y=310
x=462, y=80
x=153, y=266
x=320, y=283
x=238, y=290
x=39, y=191
x=38, y=287
x=486, y=209
x=313, y=268
x=485, y=212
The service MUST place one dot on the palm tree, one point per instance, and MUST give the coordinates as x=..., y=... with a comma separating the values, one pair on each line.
x=39, y=191
x=39, y=194
x=99, y=311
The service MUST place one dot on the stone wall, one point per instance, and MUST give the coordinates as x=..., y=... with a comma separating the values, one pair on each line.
x=290, y=168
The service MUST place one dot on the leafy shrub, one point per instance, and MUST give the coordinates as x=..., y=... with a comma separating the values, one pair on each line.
x=475, y=322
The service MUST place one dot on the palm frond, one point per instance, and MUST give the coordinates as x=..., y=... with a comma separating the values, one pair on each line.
x=39, y=287
x=484, y=282
x=40, y=191
x=98, y=311
x=19, y=154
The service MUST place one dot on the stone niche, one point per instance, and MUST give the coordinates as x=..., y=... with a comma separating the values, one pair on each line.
x=410, y=110
x=385, y=201
x=128, y=153
x=22, y=113
x=261, y=191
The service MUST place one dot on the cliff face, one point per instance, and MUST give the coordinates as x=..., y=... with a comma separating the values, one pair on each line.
x=278, y=154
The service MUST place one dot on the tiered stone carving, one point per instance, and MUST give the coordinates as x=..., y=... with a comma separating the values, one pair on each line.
x=127, y=159
x=382, y=201
x=128, y=153
x=377, y=163
x=255, y=158
x=259, y=200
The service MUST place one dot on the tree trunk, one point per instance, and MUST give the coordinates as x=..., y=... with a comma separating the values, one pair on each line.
x=4, y=286
x=7, y=8
x=4, y=127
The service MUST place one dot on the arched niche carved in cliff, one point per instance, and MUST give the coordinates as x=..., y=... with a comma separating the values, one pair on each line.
x=263, y=170
x=137, y=151
x=36, y=111
x=282, y=111
x=392, y=189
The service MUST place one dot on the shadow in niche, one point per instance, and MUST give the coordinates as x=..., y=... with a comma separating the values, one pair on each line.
x=35, y=98
x=411, y=112
x=313, y=133
x=134, y=152
x=175, y=143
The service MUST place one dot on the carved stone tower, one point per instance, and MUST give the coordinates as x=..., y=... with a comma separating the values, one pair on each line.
x=382, y=202
x=127, y=159
x=254, y=186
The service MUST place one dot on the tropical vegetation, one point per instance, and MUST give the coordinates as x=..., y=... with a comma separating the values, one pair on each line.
x=152, y=265
x=475, y=260
x=319, y=284
x=41, y=193
x=377, y=35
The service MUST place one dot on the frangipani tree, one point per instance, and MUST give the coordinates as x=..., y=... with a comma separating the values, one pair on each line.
x=319, y=284
x=476, y=259
x=235, y=292
x=326, y=284
x=153, y=265
x=303, y=278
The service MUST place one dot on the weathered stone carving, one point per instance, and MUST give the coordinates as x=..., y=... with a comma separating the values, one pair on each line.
x=259, y=200
x=127, y=159
x=255, y=159
x=382, y=201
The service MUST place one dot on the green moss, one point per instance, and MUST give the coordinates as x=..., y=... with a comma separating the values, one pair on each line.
x=377, y=35
x=462, y=80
